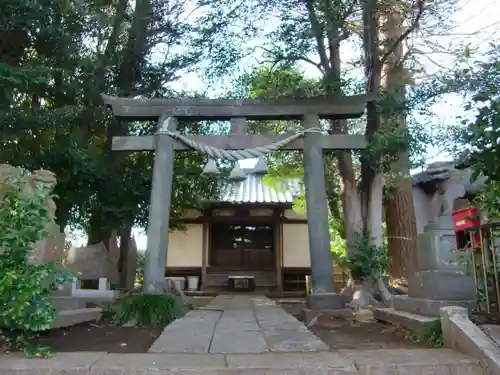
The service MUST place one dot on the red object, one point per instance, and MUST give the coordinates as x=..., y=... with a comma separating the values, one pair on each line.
x=466, y=218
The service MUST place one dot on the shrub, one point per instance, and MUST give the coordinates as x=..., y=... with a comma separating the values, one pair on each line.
x=369, y=262
x=150, y=309
x=25, y=288
x=139, y=273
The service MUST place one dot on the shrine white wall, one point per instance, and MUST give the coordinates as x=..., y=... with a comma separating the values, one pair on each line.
x=185, y=248
x=296, y=245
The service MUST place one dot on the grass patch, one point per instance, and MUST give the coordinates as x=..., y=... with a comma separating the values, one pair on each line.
x=430, y=334
x=146, y=310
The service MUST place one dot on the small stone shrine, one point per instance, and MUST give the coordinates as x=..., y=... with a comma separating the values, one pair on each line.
x=92, y=263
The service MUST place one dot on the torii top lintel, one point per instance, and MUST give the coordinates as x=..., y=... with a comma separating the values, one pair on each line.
x=220, y=109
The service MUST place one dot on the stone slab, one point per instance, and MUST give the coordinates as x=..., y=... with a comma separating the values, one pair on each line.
x=344, y=362
x=236, y=342
x=426, y=307
x=303, y=361
x=287, y=326
x=236, y=325
x=191, y=334
x=204, y=316
x=441, y=285
x=238, y=302
x=412, y=362
x=414, y=322
x=67, y=303
x=60, y=363
x=294, y=341
x=240, y=315
x=325, y=301
x=162, y=361
x=194, y=340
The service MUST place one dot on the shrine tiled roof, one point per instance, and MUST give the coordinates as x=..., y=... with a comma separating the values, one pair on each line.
x=254, y=190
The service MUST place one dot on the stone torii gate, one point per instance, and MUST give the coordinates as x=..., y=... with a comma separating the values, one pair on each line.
x=165, y=142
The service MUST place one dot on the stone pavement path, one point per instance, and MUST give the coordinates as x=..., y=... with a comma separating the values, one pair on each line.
x=245, y=335
x=237, y=324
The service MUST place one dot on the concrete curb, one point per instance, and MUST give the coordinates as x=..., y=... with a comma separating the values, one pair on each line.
x=461, y=334
x=342, y=362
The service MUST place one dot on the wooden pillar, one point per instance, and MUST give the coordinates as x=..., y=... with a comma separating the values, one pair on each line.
x=317, y=211
x=204, y=253
x=278, y=251
x=159, y=209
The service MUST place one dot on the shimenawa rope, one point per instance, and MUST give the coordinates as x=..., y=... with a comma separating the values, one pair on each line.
x=234, y=155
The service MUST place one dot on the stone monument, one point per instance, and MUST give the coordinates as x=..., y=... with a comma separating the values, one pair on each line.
x=438, y=281
x=92, y=263
x=52, y=247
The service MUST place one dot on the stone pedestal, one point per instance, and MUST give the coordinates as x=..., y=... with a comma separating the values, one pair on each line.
x=438, y=281
x=325, y=301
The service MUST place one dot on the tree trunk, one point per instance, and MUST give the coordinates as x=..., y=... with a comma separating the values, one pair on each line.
x=374, y=211
x=401, y=228
x=399, y=208
x=127, y=263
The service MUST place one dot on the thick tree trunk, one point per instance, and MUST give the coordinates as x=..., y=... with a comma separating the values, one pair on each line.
x=401, y=229
x=374, y=211
x=399, y=209
x=127, y=263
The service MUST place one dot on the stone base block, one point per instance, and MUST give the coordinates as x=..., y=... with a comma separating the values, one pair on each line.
x=441, y=285
x=68, y=318
x=325, y=301
x=404, y=319
x=427, y=307
x=67, y=303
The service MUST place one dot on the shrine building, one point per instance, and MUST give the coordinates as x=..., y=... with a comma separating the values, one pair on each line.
x=251, y=230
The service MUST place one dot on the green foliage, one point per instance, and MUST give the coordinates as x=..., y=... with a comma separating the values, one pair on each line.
x=430, y=334
x=475, y=134
x=139, y=274
x=56, y=58
x=150, y=309
x=488, y=200
x=25, y=287
x=369, y=262
x=478, y=133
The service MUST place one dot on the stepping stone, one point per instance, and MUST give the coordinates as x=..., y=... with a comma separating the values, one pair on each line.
x=294, y=341
x=240, y=342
